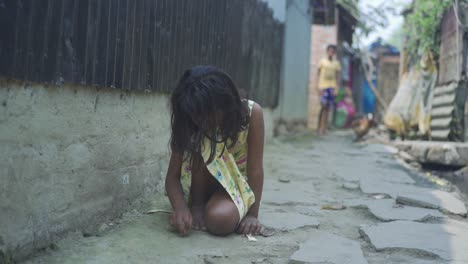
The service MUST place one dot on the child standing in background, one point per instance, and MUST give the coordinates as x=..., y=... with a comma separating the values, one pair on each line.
x=328, y=85
x=215, y=176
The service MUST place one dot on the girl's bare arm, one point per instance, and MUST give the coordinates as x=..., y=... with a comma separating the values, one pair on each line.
x=255, y=156
x=181, y=217
x=173, y=186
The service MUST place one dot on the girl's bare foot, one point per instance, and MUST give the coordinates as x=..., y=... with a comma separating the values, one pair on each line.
x=198, y=216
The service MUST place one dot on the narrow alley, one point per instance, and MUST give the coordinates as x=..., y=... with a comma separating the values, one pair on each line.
x=118, y=118
x=325, y=201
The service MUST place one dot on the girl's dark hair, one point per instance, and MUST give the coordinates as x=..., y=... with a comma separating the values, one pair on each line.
x=331, y=46
x=206, y=103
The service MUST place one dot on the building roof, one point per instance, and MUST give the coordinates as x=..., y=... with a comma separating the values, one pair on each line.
x=324, y=11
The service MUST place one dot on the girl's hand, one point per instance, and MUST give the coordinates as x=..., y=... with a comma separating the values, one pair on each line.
x=182, y=220
x=249, y=226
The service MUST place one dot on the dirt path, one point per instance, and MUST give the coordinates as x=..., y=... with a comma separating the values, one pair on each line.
x=302, y=176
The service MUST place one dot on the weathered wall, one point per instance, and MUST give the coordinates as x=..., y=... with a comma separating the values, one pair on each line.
x=322, y=36
x=72, y=157
x=294, y=89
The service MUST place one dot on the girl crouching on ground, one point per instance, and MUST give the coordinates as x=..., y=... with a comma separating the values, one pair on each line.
x=215, y=176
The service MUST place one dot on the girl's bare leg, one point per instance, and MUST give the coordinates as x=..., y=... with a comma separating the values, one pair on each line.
x=325, y=121
x=212, y=208
x=319, y=128
x=202, y=188
x=221, y=214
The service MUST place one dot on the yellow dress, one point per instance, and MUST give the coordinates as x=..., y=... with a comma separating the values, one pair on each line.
x=229, y=169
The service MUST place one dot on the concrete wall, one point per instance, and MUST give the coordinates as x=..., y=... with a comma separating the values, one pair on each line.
x=269, y=116
x=72, y=157
x=322, y=36
x=294, y=92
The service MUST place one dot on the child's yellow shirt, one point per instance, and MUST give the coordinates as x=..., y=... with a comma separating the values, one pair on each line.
x=328, y=72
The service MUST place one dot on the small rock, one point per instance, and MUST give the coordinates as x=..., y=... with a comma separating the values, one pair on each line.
x=406, y=156
x=350, y=186
x=90, y=231
x=416, y=165
x=208, y=261
x=54, y=247
x=379, y=196
x=86, y=233
x=463, y=173
x=103, y=228
x=260, y=260
x=284, y=180
x=267, y=232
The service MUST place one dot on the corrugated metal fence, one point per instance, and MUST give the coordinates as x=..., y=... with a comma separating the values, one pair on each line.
x=141, y=44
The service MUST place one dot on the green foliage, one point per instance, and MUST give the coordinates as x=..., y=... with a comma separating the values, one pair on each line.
x=423, y=26
x=373, y=17
x=396, y=38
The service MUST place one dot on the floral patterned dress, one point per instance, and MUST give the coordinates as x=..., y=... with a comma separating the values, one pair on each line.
x=229, y=169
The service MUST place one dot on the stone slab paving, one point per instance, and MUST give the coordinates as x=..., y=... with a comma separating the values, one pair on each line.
x=325, y=247
x=287, y=221
x=380, y=172
x=415, y=196
x=449, y=240
x=299, y=180
x=436, y=199
x=288, y=193
x=380, y=149
x=387, y=210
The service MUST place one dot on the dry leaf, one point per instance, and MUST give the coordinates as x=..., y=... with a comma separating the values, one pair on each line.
x=333, y=207
x=159, y=211
x=251, y=238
